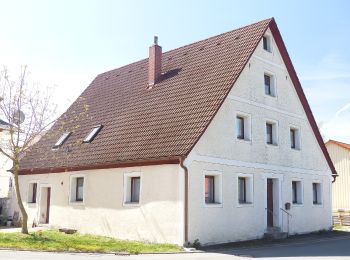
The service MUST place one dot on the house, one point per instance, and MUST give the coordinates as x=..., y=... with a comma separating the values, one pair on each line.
x=5, y=175
x=340, y=155
x=212, y=141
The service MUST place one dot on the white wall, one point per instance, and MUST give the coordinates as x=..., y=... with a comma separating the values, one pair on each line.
x=5, y=165
x=158, y=218
x=219, y=150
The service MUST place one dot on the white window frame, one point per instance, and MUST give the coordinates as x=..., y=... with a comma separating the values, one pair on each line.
x=273, y=83
x=249, y=190
x=72, y=189
x=61, y=140
x=269, y=43
x=217, y=190
x=247, y=118
x=301, y=193
x=127, y=189
x=30, y=192
x=320, y=193
x=275, y=132
x=298, y=138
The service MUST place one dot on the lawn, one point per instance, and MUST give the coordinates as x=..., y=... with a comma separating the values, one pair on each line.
x=52, y=240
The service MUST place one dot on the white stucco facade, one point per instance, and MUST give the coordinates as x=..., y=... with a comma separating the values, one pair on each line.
x=220, y=151
x=159, y=215
x=5, y=165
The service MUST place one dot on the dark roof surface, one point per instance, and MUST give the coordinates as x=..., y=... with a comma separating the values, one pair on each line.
x=141, y=125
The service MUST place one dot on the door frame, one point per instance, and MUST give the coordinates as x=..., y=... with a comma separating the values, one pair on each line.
x=277, y=196
x=41, y=186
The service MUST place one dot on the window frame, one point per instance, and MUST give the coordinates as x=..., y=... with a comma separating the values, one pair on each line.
x=127, y=189
x=93, y=132
x=299, y=193
x=247, y=126
x=249, y=190
x=240, y=122
x=211, y=180
x=63, y=138
x=132, y=192
x=77, y=186
x=73, y=189
x=32, y=197
x=297, y=138
x=218, y=200
x=319, y=193
x=274, y=133
x=268, y=40
x=272, y=84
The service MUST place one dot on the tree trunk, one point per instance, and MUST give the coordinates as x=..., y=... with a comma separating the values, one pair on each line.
x=19, y=198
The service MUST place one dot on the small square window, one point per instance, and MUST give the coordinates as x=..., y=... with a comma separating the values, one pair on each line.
x=297, y=192
x=61, y=140
x=294, y=138
x=267, y=43
x=32, y=192
x=269, y=82
x=245, y=189
x=271, y=133
x=77, y=189
x=316, y=193
x=132, y=188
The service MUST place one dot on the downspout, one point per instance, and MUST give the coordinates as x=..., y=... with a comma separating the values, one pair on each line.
x=182, y=159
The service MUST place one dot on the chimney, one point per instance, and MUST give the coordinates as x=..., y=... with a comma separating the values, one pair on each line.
x=154, y=62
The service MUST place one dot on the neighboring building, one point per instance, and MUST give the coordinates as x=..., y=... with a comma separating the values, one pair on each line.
x=340, y=155
x=209, y=141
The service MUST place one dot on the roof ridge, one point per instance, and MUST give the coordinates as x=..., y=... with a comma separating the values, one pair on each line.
x=189, y=44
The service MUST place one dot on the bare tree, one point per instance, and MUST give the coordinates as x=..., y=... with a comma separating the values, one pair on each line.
x=29, y=112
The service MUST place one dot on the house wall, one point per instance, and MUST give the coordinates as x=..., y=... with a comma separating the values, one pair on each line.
x=218, y=151
x=157, y=218
x=5, y=165
x=341, y=160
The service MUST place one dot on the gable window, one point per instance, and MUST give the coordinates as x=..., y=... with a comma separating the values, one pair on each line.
x=132, y=188
x=267, y=43
x=316, y=193
x=245, y=189
x=271, y=133
x=269, y=82
x=297, y=192
x=32, y=192
x=294, y=138
x=77, y=186
x=93, y=133
x=61, y=140
x=209, y=189
x=243, y=126
x=212, y=188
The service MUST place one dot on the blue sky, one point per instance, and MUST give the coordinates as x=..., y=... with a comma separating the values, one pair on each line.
x=67, y=43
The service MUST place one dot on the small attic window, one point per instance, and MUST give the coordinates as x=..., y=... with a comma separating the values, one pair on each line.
x=267, y=43
x=91, y=136
x=61, y=140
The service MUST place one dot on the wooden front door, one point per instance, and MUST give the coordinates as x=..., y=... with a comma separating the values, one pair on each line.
x=48, y=205
x=269, y=202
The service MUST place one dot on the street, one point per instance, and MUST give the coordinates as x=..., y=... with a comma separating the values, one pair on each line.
x=329, y=248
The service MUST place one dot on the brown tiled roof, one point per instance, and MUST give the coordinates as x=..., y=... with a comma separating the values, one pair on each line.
x=161, y=124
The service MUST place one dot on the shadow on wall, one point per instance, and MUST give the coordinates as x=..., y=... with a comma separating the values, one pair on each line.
x=322, y=244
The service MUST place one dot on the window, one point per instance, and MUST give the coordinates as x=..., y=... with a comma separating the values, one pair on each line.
x=135, y=189
x=294, y=138
x=77, y=185
x=271, y=133
x=245, y=189
x=93, y=133
x=32, y=192
x=209, y=189
x=61, y=140
x=132, y=188
x=297, y=192
x=240, y=127
x=242, y=194
x=79, y=192
x=269, y=83
x=212, y=188
x=267, y=43
x=317, y=196
x=243, y=122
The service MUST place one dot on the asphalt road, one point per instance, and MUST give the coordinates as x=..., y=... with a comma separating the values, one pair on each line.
x=331, y=248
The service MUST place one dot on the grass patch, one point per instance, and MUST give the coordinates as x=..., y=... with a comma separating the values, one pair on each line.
x=52, y=240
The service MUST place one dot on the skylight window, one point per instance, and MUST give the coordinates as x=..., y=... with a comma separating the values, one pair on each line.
x=61, y=140
x=91, y=136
